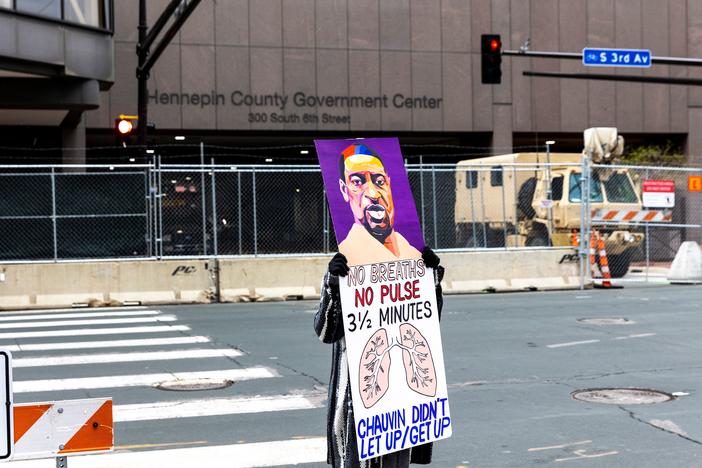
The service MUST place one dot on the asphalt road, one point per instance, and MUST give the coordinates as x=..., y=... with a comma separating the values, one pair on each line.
x=512, y=363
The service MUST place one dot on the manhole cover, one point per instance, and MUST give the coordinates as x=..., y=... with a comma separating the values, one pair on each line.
x=607, y=321
x=622, y=396
x=194, y=385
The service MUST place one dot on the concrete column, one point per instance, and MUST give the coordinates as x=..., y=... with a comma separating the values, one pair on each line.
x=693, y=151
x=74, y=137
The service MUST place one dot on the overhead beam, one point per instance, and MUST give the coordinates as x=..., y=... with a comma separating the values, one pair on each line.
x=610, y=77
x=690, y=62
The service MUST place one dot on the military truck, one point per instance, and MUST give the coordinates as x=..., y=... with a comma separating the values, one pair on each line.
x=505, y=201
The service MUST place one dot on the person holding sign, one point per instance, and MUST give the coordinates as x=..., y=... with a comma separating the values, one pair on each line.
x=342, y=451
x=380, y=307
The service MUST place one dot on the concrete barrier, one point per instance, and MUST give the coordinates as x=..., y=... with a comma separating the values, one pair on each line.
x=271, y=278
x=504, y=270
x=38, y=285
x=258, y=279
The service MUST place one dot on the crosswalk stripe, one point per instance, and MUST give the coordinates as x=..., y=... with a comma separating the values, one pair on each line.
x=121, y=313
x=71, y=309
x=139, y=380
x=93, y=331
x=276, y=453
x=107, y=344
x=216, y=407
x=124, y=357
x=72, y=323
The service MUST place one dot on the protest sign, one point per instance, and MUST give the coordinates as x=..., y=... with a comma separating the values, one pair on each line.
x=388, y=299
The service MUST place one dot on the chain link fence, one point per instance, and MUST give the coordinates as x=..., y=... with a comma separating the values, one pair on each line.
x=645, y=214
x=535, y=200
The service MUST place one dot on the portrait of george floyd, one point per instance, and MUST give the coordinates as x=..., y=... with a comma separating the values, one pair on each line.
x=371, y=203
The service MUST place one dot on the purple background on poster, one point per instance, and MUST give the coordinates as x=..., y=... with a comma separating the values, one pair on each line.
x=406, y=219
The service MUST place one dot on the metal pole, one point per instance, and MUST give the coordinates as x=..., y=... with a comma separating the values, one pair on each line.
x=202, y=198
x=160, y=209
x=255, y=227
x=142, y=79
x=53, y=212
x=504, y=209
x=61, y=462
x=648, y=258
x=238, y=196
x=585, y=226
x=325, y=227
x=469, y=175
x=549, y=191
x=433, y=199
x=147, y=207
x=214, y=208
x=421, y=191
x=482, y=209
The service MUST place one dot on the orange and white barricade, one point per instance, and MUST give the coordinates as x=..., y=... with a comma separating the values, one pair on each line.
x=61, y=428
x=633, y=216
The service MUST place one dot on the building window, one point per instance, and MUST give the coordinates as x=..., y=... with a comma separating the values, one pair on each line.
x=94, y=13
x=50, y=8
x=87, y=12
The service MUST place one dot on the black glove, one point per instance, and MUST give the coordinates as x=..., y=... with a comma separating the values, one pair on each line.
x=430, y=258
x=339, y=265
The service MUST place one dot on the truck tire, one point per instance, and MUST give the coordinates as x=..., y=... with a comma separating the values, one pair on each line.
x=538, y=237
x=619, y=264
x=525, y=197
x=470, y=235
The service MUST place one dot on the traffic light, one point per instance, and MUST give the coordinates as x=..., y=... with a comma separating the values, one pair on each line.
x=491, y=58
x=125, y=127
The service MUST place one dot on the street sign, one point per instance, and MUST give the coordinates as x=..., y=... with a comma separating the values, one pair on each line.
x=659, y=193
x=6, y=425
x=616, y=57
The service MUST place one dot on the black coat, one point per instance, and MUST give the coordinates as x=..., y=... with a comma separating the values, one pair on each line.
x=342, y=451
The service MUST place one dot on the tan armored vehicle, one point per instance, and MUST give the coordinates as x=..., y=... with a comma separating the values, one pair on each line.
x=501, y=203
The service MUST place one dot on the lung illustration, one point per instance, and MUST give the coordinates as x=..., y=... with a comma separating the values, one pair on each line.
x=419, y=364
x=374, y=369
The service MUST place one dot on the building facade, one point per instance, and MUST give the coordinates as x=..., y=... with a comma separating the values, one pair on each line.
x=278, y=68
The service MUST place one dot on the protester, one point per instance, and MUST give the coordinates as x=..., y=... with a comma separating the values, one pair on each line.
x=342, y=451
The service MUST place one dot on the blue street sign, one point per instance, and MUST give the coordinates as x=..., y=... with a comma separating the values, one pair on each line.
x=616, y=57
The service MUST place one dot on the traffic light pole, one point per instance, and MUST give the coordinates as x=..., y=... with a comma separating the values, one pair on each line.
x=146, y=59
x=142, y=79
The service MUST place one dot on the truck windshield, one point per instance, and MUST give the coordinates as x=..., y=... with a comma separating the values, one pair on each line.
x=619, y=190
x=575, y=194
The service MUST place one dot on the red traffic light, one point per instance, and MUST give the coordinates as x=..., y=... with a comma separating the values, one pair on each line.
x=495, y=45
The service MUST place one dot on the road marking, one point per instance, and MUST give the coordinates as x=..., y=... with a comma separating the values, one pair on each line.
x=640, y=335
x=581, y=454
x=130, y=313
x=94, y=331
x=276, y=453
x=571, y=343
x=70, y=309
x=167, y=444
x=108, y=344
x=551, y=447
x=583, y=297
x=71, y=323
x=124, y=357
x=216, y=407
x=139, y=380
